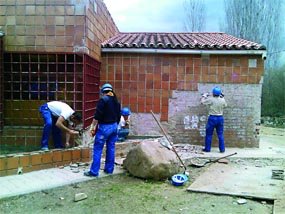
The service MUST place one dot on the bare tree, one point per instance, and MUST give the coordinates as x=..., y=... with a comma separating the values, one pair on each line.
x=256, y=20
x=260, y=21
x=195, y=12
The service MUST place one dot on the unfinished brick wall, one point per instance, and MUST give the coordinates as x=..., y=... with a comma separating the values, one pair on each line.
x=56, y=26
x=147, y=82
x=188, y=118
x=32, y=161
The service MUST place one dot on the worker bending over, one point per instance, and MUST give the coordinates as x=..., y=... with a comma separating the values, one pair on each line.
x=58, y=116
x=124, y=125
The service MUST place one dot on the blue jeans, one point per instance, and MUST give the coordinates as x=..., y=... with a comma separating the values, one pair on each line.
x=218, y=123
x=49, y=125
x=106, y=133
x=122, y=134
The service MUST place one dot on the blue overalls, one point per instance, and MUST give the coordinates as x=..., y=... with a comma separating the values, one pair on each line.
x=49, y=125
x=123, y=133
x=106, y=133
x=215, y=121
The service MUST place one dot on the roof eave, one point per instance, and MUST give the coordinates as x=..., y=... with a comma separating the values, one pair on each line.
x=180, y=51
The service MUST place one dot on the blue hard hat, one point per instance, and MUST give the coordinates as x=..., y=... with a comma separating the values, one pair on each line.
x=125, y=111
x=179, y=179
x=217, y=91
x=106, y=87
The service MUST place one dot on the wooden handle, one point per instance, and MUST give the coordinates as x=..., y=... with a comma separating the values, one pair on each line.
x=168, y=139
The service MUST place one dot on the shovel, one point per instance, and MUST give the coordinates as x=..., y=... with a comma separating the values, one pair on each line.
x=196, y=163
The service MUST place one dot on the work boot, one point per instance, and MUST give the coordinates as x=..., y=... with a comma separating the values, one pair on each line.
x=45, y=149
x=90, y=174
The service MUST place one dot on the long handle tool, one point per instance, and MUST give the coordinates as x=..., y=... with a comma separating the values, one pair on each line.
x=201, y=164
x=173, y=149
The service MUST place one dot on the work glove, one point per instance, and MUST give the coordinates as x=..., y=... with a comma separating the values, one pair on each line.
x=92, y=130
x=205, y=95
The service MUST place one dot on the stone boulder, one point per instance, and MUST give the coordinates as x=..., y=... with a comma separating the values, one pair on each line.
x=151, y=160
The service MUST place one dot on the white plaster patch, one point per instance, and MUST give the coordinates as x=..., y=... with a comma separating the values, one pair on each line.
x=195, y=122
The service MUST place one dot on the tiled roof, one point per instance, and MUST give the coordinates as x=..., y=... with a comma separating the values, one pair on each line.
x=200, y=41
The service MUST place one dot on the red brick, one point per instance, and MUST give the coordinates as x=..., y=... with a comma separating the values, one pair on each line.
x=47, y=157
x=164, y=109
x=66, y=155
x=36, y=159
x=24, y=161
x=35, y=167
x=2, y=164
x=148, y=108
x=12, y=172
x=149, y=101
x=46, y=166
x=173, y=85
x=126, y=61
x=56, y=156
x=85, y=153
x=12, y=163
x=165, y=85
x=134, y=107
x=76, y=155
x=164, y=117
x=156, y=108
x=141, y=108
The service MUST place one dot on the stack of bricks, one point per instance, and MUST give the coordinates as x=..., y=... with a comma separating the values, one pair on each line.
x=27, y=162
x=56, y=26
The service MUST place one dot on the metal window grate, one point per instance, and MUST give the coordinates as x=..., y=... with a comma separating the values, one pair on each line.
x=31, y=79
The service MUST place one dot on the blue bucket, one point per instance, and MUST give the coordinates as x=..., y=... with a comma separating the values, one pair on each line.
x=179, y=179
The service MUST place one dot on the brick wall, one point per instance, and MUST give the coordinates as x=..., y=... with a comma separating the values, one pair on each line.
x=56, y=26
x=32, y=161
x=188, y=118
x=147, y=82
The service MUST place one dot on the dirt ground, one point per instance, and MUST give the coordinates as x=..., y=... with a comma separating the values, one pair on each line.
x=126, y=194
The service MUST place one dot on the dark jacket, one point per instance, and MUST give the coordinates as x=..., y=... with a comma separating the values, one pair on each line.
x=108, y=110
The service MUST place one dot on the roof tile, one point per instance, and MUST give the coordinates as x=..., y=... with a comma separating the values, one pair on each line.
x=203, y=41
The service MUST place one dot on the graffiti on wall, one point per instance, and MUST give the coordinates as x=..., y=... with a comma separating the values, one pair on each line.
x=196, y=122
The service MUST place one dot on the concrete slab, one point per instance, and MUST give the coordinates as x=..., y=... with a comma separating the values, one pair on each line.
x=245, y=181
x=44, y=179
x=279, y=206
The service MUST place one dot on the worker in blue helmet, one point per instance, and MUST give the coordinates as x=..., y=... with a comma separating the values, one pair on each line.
x=216, y=104
x=124, y=125
x=105, y=128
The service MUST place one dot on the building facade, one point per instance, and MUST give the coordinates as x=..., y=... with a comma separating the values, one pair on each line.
x=168, y=72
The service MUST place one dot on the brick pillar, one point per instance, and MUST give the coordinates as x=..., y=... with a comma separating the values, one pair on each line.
x=1, y=84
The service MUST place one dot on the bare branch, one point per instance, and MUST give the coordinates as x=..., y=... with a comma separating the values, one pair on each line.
x=195, y=13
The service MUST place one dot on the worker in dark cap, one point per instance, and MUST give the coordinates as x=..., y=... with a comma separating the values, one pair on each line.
x=106, y=119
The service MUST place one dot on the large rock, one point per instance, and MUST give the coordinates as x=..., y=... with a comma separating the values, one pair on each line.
x=151, y=160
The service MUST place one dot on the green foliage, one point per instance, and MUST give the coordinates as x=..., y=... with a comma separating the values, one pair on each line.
x=273, y=93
